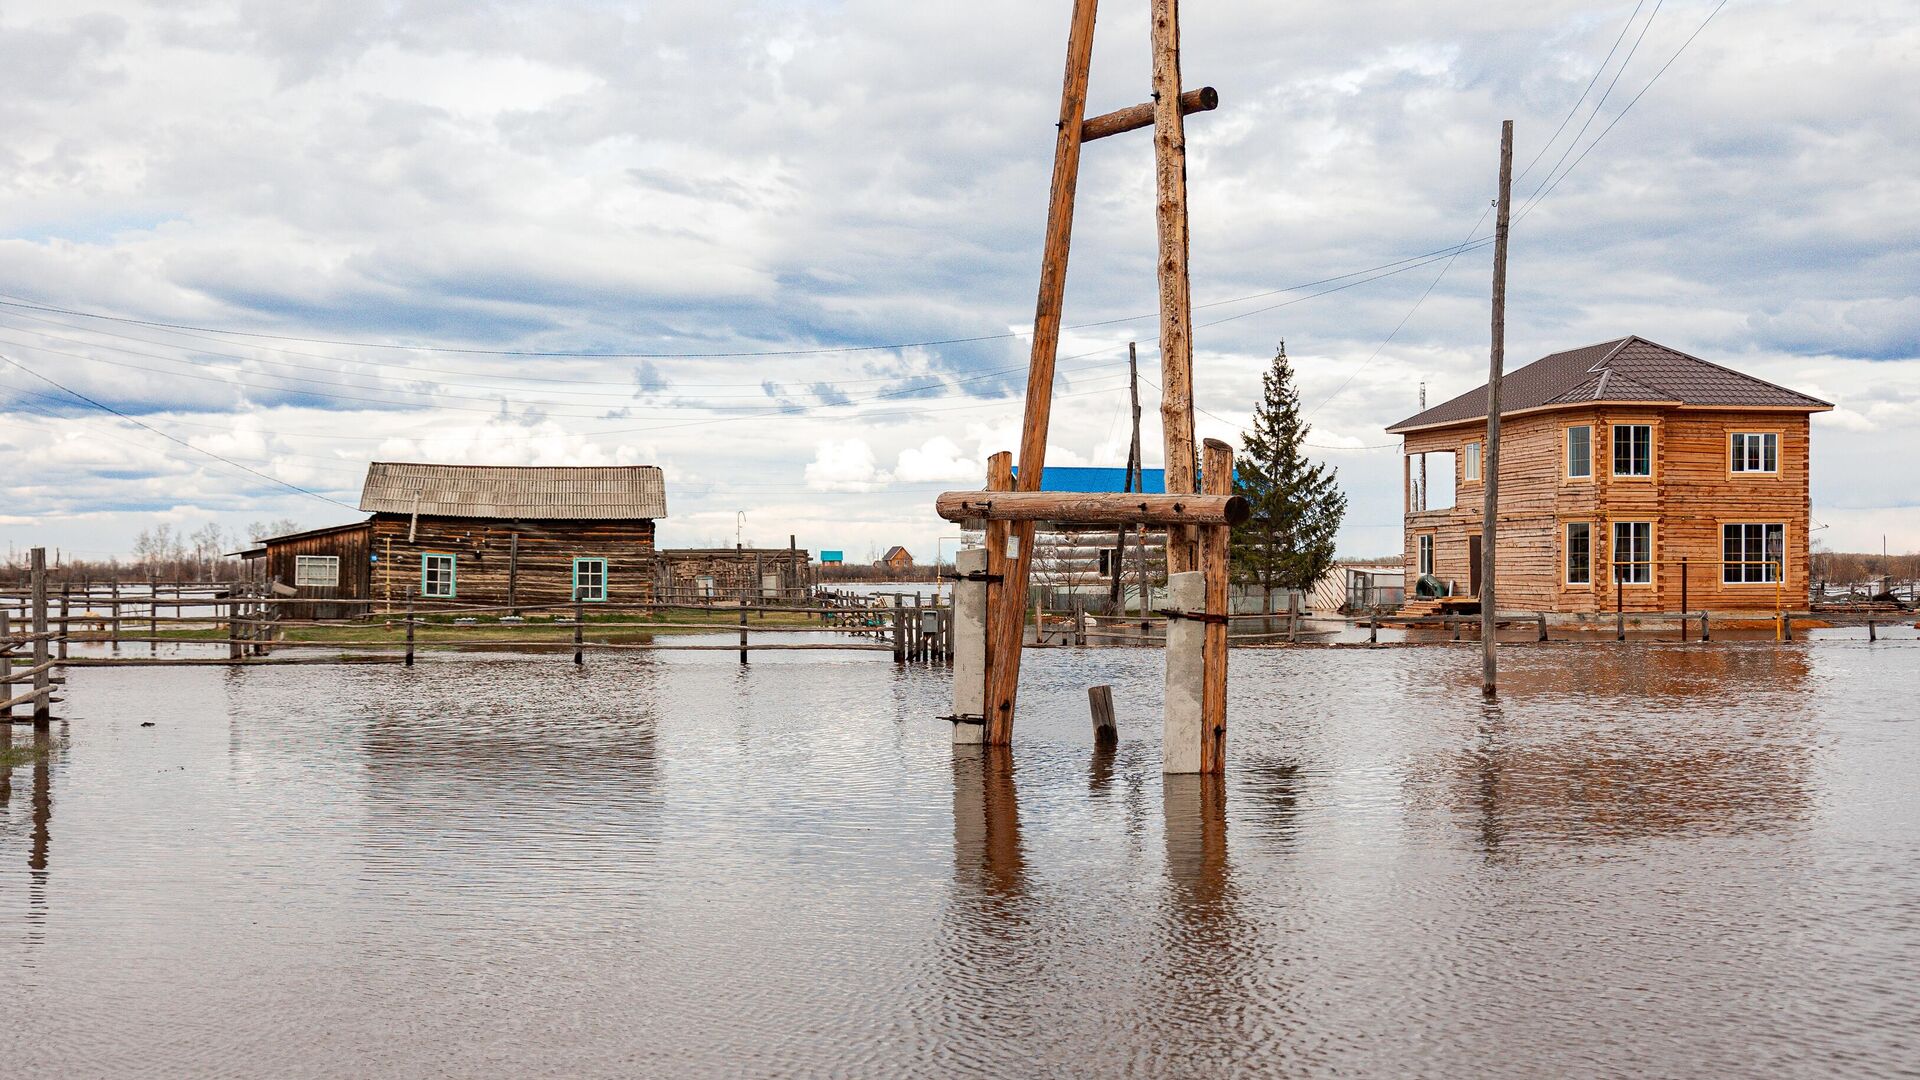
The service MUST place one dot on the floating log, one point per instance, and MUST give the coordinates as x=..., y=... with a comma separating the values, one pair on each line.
x=1134, y=117
x=1107, y=508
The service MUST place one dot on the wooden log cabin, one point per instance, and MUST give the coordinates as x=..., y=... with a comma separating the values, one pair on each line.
x=1624, y=467
x=480, y=535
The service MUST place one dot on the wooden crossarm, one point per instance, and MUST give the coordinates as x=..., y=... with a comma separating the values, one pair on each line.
x=1097, y=508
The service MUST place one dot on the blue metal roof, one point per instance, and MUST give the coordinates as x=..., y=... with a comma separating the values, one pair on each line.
x=1087, y=480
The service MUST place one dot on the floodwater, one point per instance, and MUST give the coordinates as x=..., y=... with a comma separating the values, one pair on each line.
x=1646, y=860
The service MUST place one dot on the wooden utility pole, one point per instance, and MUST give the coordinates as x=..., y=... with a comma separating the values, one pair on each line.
x=1136, y=480
x=1490, y=466
x=1214, y=551
x=1176, y=310
x=1119, y=592
x=1011, y=545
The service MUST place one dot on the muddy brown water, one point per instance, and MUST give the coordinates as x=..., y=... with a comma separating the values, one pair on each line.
x=1646, y=860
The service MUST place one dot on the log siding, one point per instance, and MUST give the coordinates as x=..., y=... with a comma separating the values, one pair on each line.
x=1692, y=493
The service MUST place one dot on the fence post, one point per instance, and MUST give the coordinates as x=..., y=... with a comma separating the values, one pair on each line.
x=410, y=592
x=6, y=672
x=1704, y=634
x=1683, y=598
x=1373, y=630
x=1872, y=635
x=1619, y=606
x=580, y=627
x=233, y=624
x=116, y=614
x=153, y=613
x=899, y=629
x=743, y=626
x=1106, y=732
x=1542, y=616
x=42, y=702
x=66, y=602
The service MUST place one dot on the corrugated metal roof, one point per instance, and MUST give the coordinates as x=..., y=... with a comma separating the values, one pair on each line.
x=600, y=493
x=1625, y=369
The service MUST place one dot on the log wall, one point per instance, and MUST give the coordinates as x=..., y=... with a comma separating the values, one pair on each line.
x=483, y=550
x=348, y=545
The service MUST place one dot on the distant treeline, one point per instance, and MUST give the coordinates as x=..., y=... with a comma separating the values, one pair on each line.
x=869, y=572
x=161, y=552
x=1846, y=567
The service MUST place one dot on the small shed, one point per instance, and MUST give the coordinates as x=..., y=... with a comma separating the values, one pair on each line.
x=701, y=574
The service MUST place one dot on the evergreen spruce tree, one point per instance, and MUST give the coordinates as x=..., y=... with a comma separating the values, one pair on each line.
x=1297, y=507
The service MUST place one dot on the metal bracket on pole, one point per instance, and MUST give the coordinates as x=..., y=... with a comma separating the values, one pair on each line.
x=976, y=575
x=963, y=718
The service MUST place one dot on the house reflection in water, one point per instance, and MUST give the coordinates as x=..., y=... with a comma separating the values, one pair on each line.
x=1628, y=744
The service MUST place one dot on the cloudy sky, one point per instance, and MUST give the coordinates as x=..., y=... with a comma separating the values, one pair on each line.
x=332, y=233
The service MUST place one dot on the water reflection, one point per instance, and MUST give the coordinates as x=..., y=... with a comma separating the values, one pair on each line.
x=988, y=862
x=39, y=818
x=1664, y=742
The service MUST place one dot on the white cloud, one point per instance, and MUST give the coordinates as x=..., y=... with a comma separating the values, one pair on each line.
x=844, y=465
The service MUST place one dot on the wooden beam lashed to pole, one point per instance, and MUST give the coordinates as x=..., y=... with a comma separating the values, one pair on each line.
x=1014, y=550
x=1135, y=117
x=1490, y=466
x=1001, y=598
x=1176, y=310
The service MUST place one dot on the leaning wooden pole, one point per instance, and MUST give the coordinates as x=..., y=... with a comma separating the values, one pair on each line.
x=1490, y=467
x=1176, y=309
x=1006, y=611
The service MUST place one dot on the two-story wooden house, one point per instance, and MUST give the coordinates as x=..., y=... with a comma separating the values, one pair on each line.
x=1625, y=467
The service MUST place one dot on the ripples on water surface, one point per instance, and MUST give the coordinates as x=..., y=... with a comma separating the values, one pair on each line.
x=1646, y=860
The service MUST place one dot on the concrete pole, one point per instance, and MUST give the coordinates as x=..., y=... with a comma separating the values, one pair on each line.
x=969, y=645
x=1186, y=644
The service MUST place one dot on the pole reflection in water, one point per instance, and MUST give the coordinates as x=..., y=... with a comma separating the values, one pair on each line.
x=987, y=857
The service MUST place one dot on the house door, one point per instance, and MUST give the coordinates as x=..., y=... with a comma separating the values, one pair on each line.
x=1473, y=564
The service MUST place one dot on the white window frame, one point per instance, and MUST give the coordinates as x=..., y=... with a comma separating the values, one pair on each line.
x=316, y=571
x=1566, y=553
x=1759, y=447
x=1470, y=463
x=1614, y=450
x=1588, y=457
x=1423, y=558
x=1746, y=570
x=428, y=569
x=1641, y=565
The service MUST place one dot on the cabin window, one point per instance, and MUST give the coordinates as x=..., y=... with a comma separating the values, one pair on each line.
x=1633, y=450
x=1580, y=452
x=703, y=585
x=1752, y=552
x=1426, y=555
x=1579, y=553
x=1470, y=466
x=1106, y=562
x=436, y=576
x=1756, y=452
x=1633, y=552
x=589, y=579
x=316, y=570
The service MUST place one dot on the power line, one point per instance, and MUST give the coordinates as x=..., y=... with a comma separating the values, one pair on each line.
x=1541, y=196
x=27, y=304
x=208, y=453
x=1544, y=147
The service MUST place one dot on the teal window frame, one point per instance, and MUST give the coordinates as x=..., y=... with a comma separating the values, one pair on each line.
x=453, y=575
x=602, y=598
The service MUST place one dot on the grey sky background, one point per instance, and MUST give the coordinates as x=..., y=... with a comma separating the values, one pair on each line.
x=791, y=177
